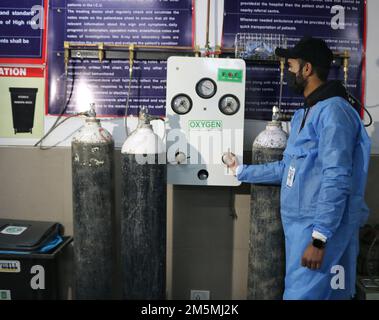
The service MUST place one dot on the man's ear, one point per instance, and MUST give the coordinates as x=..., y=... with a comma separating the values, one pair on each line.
x=308, y=69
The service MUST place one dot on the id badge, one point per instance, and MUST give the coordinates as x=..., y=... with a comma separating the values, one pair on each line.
x=291, y=176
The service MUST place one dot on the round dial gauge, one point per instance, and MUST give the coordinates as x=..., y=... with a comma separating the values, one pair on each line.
x=206, y=88
x=181, y=104
x=229, y=104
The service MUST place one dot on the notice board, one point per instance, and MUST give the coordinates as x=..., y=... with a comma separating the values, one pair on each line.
x=23, y=31
x=141, y=22
x=341, y=23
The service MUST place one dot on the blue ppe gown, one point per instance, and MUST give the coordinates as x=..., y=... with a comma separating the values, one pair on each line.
x=329, y=157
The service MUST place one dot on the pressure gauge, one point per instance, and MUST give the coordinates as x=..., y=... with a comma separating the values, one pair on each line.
x=181, y=104
x=229, y=104
x=206, y=88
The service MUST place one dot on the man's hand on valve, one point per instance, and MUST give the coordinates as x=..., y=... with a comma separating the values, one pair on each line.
x=230, y=160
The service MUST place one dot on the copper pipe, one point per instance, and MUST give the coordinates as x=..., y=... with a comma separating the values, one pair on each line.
x=94, y=45
x=131, y=58
x=208, y=21
x=346, y=66
x=282, y=66
x=217, y=51
x=163, y=47
x=66, y=46
x=101, y=51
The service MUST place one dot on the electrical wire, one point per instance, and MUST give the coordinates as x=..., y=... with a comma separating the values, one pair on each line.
x=364, y=108
x=370, y=117
x=62, y=112
x=56, y=126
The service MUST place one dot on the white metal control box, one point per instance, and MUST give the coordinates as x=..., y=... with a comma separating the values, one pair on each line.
x=205, y=109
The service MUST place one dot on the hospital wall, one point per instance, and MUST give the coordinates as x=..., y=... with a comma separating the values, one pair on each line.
x=207, y=243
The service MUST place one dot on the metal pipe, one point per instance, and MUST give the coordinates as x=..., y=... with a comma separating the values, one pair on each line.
x=126, y=46
x=197, y=51
x=282, y=64
x=131, y=63
x=101, y=51
x=346, y=66
x=131, y=58
x=66, y=46
x=217, y=51
x=207, y=27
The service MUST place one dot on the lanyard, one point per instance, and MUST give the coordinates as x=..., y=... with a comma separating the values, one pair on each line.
x=304, y=118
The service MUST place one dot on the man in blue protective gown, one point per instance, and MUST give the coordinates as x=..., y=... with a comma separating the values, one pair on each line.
x=323, y=177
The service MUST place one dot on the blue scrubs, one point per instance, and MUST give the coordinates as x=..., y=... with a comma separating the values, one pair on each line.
x=329, y=158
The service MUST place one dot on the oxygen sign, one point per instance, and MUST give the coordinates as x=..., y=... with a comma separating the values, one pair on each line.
x=205, y=124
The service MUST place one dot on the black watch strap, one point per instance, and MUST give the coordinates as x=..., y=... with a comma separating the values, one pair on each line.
x=319, y=244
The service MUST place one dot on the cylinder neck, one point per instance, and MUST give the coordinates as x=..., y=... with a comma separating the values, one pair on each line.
x=144, y=120
x=92, y=121
x=272, y=125
x=142, y=124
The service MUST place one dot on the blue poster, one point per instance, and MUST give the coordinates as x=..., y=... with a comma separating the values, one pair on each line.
x=21, y=28
x=339, y=22
x=120, y=22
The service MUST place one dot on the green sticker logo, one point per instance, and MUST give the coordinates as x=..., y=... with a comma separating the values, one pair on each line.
x=230, y=75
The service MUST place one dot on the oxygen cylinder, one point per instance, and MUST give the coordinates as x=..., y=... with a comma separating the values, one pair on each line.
x=93, y=208
x=143, y=217
x=266, y=268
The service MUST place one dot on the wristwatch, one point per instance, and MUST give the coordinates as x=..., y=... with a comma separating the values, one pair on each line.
x=319, y=244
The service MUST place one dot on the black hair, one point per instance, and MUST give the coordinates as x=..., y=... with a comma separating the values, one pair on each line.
x=321, y=72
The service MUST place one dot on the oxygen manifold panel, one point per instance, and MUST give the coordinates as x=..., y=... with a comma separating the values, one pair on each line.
x=205, y=111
